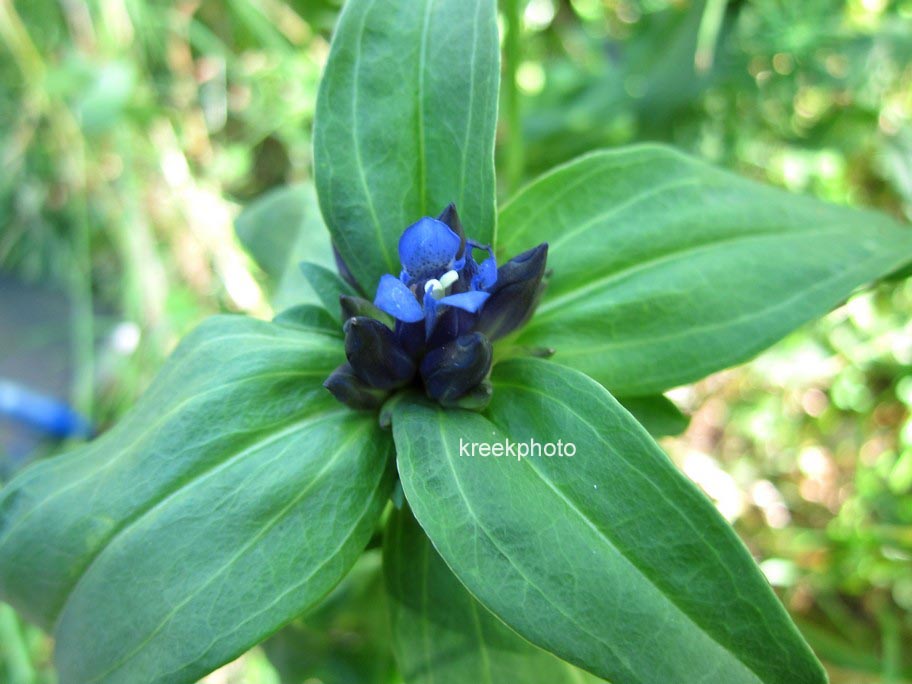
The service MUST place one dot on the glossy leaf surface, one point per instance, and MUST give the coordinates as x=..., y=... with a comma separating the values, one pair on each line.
x=234, y=496
x=405, y=125
x=441, y=634
x=666, y=269
x=610, y=558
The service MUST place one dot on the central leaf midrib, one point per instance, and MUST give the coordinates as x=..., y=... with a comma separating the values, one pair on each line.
x=423, y=34
x=356, y=139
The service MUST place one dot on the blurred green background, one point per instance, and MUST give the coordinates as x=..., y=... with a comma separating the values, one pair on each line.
x=132, y=134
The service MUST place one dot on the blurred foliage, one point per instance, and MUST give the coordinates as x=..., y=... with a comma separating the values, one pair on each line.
x=132, y=132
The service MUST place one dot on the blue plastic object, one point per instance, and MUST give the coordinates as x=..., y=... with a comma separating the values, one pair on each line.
x=46, y=414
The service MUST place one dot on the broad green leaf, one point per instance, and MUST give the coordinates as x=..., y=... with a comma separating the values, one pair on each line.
x=405, y=125
x=666, y=269
x=281, y=229
x=345, y=640
x=441, y=634
x=610, y=558
x=232, y=498
x=657, y=414
x=327, y=285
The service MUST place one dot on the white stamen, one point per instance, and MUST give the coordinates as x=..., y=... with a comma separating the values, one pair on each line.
x=438, y=288
x=448, y=279
x=435, y=288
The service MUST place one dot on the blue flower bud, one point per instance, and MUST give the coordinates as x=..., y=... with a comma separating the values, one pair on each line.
x=375, y=354
x=352, y=390
x=457, y=368
x=438, y=316
x=515, y=294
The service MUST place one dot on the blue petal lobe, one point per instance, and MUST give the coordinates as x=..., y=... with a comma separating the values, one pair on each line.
x=470, y=301
x=486, y=275
x=397, y=300
x=430, y=314
x=428, y=248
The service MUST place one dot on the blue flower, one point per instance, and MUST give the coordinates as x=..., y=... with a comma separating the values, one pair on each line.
x=445, y=310
x=438, y=271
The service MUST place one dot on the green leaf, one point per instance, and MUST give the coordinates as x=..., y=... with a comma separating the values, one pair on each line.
x=233, y=497
x=309, y=316
x=345, y=640
x=327, y=285
x=405, y=125
x=441, y=635
x=657, y=414
x=666, y=269
x=611, y=558
x=281, y=229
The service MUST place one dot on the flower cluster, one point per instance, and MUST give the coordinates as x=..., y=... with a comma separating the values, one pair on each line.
x=434, y=324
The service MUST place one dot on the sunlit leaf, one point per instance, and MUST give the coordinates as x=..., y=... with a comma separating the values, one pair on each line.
x=233, y=497
x=405, y=125
x=610, y=558
x=666, y=269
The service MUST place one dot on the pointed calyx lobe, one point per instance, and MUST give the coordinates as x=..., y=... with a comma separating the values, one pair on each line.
x=433, y=325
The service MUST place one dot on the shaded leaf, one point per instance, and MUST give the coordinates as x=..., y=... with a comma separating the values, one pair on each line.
x=441, y=634
x=327, y=285
x=279, y=230
x=657, y=414
x=345, y=640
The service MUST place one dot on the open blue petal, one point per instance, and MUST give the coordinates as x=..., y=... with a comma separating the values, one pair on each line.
x=470, y=301
x=486, y=275
x=427, y=249
x=397, y=300
x=430, y=314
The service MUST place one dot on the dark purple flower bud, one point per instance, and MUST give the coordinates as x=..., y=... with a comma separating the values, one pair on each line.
x=454, y=370
x=451, y=323
x=515, y=294
x=352, y=390
x=375, y=354
x=412, y=338
x=450, y=217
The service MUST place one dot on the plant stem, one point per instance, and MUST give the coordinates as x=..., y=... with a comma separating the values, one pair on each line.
x=83, y=322
x=12, y=646
x=515, y=154
x=708, y=34
x=892, y=646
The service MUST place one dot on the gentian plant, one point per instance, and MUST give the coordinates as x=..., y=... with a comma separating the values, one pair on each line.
x=239, y=491
x=446, y=309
